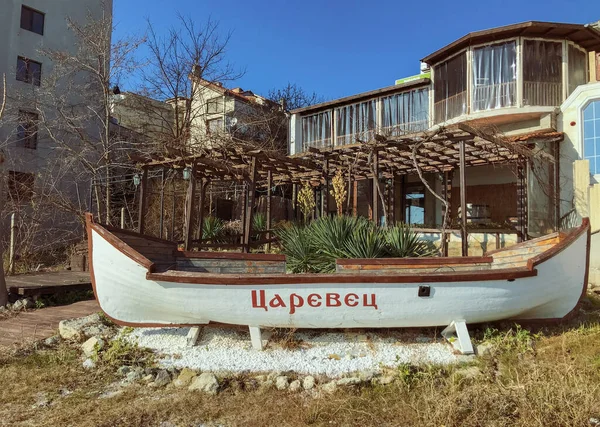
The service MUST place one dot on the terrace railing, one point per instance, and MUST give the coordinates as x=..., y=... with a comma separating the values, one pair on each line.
x=542, y=93
x=451, y=107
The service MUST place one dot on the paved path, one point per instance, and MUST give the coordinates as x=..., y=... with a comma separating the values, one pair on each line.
x=42, y=323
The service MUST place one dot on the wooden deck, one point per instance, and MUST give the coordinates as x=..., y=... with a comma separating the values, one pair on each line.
x=34, y=284
x=42, y=323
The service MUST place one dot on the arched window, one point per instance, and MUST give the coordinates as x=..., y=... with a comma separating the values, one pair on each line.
x=591, y=135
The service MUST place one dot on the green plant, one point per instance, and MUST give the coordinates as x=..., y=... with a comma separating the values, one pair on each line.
x=302, y=255
x=213, y=229
x=331, y=236
x=515, y=339
x=366, y=241
x=122, y=352
x=259, y=223
x=403, y=242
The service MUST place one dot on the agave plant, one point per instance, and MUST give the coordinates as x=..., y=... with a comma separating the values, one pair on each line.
x=403, y=242
x=259, y=223
x=213, y=229
x=331, y=235
x=298, y=245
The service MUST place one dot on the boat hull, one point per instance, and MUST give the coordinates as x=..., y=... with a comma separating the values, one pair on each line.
x=125, y=294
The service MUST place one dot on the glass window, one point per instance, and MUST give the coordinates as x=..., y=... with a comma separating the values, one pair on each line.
x=215, y=125
x=316, y=130
x=450, y=89
x=356, y=123
x=494, y=76
x=578, y=67
x=214, y=105
x=32, y=20
x=27, y=130
x=29, y=71
x=542, y=73
x=415, y=205
x=20, y=186
x=591, y=136
x=405, y=112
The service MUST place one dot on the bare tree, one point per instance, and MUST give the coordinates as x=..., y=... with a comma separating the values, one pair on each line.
x=181, y=67
x=3, y=290
x=293, y=96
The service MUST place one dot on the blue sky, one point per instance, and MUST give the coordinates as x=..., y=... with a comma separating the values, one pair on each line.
x=338, y=48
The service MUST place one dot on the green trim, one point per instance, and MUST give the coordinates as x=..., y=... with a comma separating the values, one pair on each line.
x=412, y=78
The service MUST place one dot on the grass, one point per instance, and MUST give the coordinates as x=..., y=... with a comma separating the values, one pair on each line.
x=537, y=377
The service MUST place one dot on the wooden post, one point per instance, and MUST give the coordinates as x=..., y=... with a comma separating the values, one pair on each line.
x=521, y=201
x=244, y=213
x=269, y=196
x=295, y=200
x=354, y=198
x=403, y=198
x=189, y=210
x=173, y=213
x=122, y=218
x=463, y=201
x=202, y=202
x=325, y=189
x=392, y=200
x=375, y=192
x=250, y=206
x=13, y=243
x=142, y=205
x=447, y=192
x=556, y=186
x=162, y=203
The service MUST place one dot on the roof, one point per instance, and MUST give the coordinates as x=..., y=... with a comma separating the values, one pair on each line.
x=584, y=35
x=238, y=93
x=363, y=95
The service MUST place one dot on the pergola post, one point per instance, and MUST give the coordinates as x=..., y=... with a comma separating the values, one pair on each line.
x=189, y=209
x=250, y=205
x=201, y=203
x=463, y=201
x=325, y=189
x=447, y=193
x=521, y=200
x=557, y=186
x=295, y=200
x=354, y=198
x=162, y=202
x=375, y=191
x=143, y=197
x=392, y=201
x=244, y=213
x=269, y=197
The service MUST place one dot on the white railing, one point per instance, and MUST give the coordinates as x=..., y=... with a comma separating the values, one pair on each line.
x=319, y=143
x=449, y=108
x=355, y=138
x=542, y=93
x=487, y=97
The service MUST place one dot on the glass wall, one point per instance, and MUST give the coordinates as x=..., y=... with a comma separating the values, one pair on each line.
x=578, y=68
x=316, y=130
x=494, y=73
x=356, y=122
x=542, y=73
x=450, y=88
x=405, y=112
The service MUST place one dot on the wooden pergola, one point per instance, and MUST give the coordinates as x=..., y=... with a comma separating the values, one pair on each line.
x=441, y=152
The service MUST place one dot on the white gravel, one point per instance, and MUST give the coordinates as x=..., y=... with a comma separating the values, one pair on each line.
x=329, y=353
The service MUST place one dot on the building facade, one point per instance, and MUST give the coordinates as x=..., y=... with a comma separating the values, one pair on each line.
x=27, y=29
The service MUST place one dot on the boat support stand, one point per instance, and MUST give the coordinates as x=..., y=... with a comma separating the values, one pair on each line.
x=192, y=336
x=458, y=335
x=258, y=337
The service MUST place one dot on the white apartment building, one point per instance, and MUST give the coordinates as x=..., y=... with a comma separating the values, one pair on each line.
x=26, y=28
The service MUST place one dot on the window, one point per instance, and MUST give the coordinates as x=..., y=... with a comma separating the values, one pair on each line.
x=29, y=71
x=542, y=73
x=32, y=20
x=494, y=76
x=578, y=67
x=316, y=130
x=215, y=125
x=591, y=136
x=355, y=122
x=405, y=112
x=20, y=186
x=214, y=105
x=27, y=130
x=414, y=204
x=450, y=89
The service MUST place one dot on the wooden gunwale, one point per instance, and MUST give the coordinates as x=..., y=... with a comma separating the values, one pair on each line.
x=526, y=243
x=416, y=260
x=229, y=255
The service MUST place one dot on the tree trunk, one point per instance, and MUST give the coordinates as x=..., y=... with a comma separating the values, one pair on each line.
x=3, y=290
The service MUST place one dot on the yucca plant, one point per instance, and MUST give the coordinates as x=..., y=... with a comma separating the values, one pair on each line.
x=259, y=223
x=331, y=235
x=366, y=241
x=298, y=245
x=403, y=242
x=213, y=229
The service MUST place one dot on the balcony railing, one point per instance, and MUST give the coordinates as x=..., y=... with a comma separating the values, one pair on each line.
x=354, y=138
x=319, y=143
x=487, y=97
x=449, y=108
x=542, y=93
x=405, y=128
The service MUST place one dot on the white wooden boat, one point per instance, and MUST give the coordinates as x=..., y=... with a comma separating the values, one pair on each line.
x=145, y=281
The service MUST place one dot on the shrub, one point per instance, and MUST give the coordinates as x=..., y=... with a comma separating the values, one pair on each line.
x=299, y=248
x=213, y=229
x=403, y=242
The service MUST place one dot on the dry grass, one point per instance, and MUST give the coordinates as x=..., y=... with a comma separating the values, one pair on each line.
x=555, y=383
